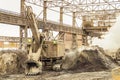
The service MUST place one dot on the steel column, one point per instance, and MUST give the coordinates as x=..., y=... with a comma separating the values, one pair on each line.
x=84, y=35
x=74, y=36
x=45, y=28
x=61, y=34
x=23, y=29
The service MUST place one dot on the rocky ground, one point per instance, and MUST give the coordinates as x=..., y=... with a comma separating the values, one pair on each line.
x=63, y=75
x=87, y=63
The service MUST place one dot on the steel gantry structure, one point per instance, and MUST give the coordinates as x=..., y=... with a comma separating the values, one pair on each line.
x=96, y=16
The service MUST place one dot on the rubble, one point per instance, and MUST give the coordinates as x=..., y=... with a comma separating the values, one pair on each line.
x=81, y=63
x=88, y=59
x=90, y=62
x=12, y=61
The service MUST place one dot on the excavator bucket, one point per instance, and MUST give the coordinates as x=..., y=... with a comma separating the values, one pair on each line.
x=33, y=67
x=116, y=74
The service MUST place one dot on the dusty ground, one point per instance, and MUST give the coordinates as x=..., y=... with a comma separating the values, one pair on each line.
x=90, y=64
x=68, y=75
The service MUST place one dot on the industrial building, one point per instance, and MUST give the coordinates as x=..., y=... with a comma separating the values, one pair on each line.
x=50, y=40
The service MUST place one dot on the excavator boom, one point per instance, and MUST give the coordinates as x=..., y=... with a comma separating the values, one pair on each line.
x=33, y=65
x=33, y=24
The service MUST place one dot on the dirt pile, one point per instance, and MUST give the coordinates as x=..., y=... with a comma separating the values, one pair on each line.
x=117, y=54
x=12, y=61
x=87, y=59
x=109, y=62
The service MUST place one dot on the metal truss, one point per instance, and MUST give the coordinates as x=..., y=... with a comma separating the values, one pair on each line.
x=81, y=5
x=96, y=10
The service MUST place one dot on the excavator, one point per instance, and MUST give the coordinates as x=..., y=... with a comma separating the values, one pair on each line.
x=42, y=53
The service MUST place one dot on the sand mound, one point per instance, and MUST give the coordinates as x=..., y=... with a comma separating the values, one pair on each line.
x=83, y=59
x=88, y=59
x=11, y=61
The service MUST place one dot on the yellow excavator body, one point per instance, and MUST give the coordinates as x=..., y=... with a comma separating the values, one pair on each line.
x=40, y=50
x=116, y=73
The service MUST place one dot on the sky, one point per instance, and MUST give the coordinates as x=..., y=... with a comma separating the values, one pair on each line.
x=111, y=40
x=9, y=30
x=14, y=6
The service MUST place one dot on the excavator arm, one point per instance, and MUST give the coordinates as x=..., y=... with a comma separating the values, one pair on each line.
x=33, y=24
x=33, y=66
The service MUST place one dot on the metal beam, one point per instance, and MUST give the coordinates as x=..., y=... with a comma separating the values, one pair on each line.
x=16, y=19
x=9, y=39
x=8, y=17
x=96, y=29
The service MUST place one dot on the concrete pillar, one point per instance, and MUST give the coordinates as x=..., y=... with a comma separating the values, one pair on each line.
x=23, y=29
x=84, y=36
x=74, y=36
x=61, y=16
x=45, y=30
x=45, y=12
x=61, y=34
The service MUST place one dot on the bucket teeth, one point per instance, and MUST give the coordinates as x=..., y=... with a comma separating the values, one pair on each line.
x=33, y=67
x=32, y=74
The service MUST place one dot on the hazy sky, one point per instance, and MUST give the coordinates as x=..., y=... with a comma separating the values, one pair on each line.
x=9, y=30
x=112, y=38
